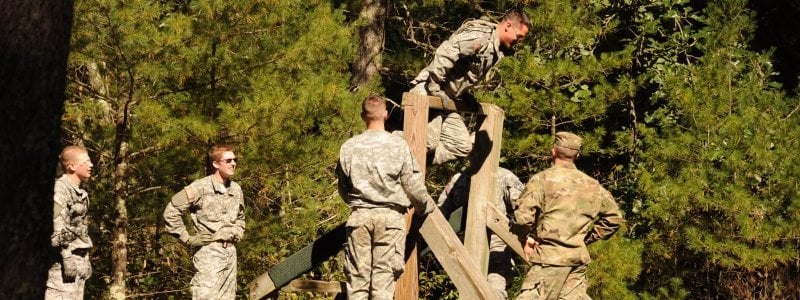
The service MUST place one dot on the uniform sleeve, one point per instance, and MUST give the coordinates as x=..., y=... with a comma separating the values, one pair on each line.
x=343, y=185
x=609, y=219
x=456, y=47
x=529, y=204
x=414, y=184
x=62, y=235
x=240, y=221
x=173, y=213
x=513, y=189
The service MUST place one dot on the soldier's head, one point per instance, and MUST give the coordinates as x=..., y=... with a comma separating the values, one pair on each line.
x=374, y=109
x=567, y=146
x=75, y=162
x=513, y=28
x=222, y=160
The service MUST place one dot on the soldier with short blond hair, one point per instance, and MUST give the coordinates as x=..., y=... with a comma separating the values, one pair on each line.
x=67, y=276
x=564, y=210
x=216, y=205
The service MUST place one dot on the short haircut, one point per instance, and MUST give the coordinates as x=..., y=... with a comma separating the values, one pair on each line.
x=517, y=17
x=216, y=151
x=372, y=107
x=566, y=153
x=69, y=155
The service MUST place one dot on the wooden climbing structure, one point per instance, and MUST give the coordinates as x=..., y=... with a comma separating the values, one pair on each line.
x=466, y=264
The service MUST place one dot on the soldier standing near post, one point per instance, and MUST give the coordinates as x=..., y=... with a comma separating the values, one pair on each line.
x=459, y=63
x=507, y=189
x=217, y=209
x=67, y=276
x=564, y=210
x=379, y=179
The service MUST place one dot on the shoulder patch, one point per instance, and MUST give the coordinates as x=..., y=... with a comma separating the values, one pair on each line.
x=191, y=194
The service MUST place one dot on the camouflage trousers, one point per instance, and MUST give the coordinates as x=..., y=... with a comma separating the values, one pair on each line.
x=216, y=272
x=374, y=252
x=500, y=265
x=554, y=282
x=58, y=288
x=448, y=137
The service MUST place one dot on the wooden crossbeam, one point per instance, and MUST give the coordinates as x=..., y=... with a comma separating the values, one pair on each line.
x=498, y=223
x=331, y=288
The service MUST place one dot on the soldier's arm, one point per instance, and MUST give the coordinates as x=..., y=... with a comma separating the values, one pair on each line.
x=240, y=222
x=62, y=235
x=173, y=213
x=609, y=219
x=456, y=47
x=414, y=184
x=343, y=185
x=514, y=188
x=528, y=205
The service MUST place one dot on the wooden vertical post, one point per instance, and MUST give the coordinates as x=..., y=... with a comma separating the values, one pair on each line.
x=415, y=124
x=486, y=152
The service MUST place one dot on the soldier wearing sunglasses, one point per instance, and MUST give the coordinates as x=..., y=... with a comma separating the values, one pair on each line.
x=216, y=205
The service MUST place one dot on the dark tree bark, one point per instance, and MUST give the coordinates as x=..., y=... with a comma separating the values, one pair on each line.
x=34, y=44
x=372, y=34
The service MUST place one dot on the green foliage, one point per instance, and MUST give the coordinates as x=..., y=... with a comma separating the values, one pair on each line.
x=683, y=122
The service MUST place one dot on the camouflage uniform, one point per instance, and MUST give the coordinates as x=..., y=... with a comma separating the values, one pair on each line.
x=459, y=62
x=508, y=189
x=67, y=276
x=561, y=205
x=379, y=179
x=217, y=212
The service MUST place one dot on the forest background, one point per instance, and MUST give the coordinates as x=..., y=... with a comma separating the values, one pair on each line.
x=688, y=110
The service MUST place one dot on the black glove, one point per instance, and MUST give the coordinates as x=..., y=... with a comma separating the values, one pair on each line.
x=69, y=265
x=428, y=208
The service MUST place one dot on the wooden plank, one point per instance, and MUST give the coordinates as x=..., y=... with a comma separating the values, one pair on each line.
x=498, y=223
x=486, y=154
x=299, y=263
x=458, y=106
x=261, y=287
x=415, y=124
x=454, y=258
x=316, y=286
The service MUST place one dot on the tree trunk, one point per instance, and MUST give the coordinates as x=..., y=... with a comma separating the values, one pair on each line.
x=368, y=62
x=33, y=63
x=119, y=243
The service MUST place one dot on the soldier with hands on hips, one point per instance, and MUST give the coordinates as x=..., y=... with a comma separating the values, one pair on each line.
x=216, y=205
x=564, y=210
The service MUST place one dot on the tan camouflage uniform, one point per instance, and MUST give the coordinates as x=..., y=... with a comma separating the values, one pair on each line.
x=566, y=210
x=459, y=62
x=379, y=179
x=217, y=212
x=67, y=276
x=508, y=189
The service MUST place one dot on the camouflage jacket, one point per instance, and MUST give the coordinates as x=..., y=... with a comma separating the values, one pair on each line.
x=216, y=210
x=462, y=60
x=561, y=205
x=377, y=169
x=70, y=216
x=456, y=193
